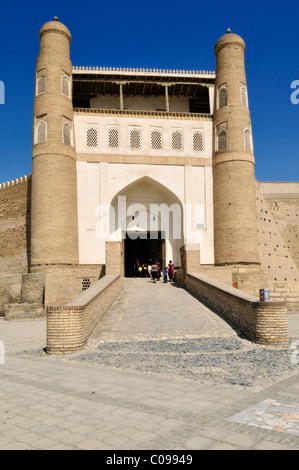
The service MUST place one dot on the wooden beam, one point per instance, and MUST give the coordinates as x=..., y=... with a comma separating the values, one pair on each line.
x=187, y=91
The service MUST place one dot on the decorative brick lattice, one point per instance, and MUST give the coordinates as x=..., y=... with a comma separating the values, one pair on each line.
x=222, y=97
x=41, y=135
x=247, y=139
x=135, y=139
x=113, y=140
x=177, y=140
x=92, y=137
x=243, y=96
x=65, y=86
x=222, y=140
x=198, y=144
x=66, y=133
x=156, y=140
x=41, y=85
x=85, y=283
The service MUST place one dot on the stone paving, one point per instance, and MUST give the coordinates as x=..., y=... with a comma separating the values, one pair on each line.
x=161, y=371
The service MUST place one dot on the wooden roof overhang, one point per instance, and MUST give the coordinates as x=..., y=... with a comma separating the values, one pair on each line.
x=89, y=85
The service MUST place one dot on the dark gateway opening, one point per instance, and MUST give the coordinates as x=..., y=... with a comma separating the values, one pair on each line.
x=143, y=246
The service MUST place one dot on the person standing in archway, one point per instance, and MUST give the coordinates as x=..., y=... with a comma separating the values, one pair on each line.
x=136, y=266
x=171, y=271
x=154, y=272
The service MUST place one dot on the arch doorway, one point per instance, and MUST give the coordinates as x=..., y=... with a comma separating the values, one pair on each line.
x=148, y=218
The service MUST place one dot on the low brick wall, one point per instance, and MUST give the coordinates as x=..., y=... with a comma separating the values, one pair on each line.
x=69, y=326
x=262, y=322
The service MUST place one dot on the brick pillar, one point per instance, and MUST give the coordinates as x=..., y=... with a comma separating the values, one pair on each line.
x=113, y=258
x=191, y=257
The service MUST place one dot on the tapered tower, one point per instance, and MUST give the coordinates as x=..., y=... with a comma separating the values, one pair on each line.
x=54, y=227
x=235, y=226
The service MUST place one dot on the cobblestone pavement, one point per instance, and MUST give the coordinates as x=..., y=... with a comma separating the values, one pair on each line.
x=161, y=371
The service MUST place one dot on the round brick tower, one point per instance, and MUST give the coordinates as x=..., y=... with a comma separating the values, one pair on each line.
x=235, y=226
x=54, y=227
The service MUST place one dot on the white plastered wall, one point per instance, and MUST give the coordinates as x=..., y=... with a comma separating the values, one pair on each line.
x=99, y=182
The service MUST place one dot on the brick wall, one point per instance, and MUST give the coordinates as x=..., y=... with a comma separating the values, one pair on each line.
x=69, y=326
x=114, y=257
x=278, y=244
x=63, y=283
x=14, y=238
x=262, y=322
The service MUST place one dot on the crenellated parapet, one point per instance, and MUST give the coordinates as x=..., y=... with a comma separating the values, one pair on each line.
x=8, y=184
x=143, y=71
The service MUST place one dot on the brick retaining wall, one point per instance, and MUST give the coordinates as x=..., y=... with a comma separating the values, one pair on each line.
x=262, y=322
x=69, y=326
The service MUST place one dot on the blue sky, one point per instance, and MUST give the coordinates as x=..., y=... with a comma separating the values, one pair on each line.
x=159, y=34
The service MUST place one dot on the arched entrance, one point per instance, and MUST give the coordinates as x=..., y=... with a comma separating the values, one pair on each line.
x=148, y=218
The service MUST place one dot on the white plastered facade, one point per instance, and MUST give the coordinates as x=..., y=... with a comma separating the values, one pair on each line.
x=101, y=180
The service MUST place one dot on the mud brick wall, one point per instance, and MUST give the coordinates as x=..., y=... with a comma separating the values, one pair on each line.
x=69, y=326
x=14, y=238
x=262, y=322
x=279, y=247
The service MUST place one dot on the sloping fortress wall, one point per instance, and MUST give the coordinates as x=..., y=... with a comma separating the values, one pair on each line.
x=278, y=229
x=15, y=202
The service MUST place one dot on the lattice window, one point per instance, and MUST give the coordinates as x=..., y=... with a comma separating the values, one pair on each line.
x=41, y=132
x=177, y=140
x=247, y=139
x=222, y=97
x=65, y=85
x=243, y=96
x=135, y=139
x=113, y=139
x=85, y=283
x=92, y=137
x=41, y=84
x=66, y=133
x=198, y=144
x=156, y=140
x=222, y=140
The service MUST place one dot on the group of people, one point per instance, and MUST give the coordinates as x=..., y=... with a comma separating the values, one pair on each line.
x=154, y=270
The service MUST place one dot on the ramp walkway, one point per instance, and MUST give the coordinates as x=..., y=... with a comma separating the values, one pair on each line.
x=148, y=311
